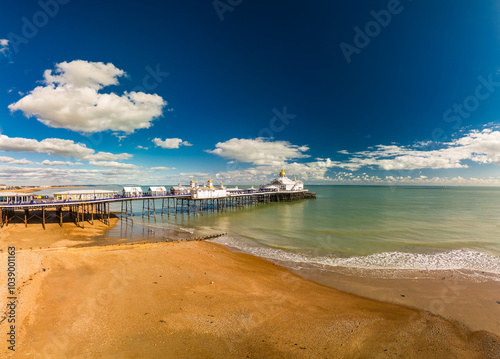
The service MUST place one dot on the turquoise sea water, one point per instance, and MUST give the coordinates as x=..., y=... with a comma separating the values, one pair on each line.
x=357, y=227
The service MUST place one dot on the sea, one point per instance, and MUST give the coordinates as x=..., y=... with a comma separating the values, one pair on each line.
x=377, y=229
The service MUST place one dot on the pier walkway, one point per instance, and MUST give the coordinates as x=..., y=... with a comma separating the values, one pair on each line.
x=81, y=211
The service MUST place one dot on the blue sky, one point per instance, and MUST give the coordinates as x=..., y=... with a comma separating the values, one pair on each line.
x=336, y=92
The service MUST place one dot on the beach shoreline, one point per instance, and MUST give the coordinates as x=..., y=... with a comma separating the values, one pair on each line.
x=219, y=302
x=471, y=298
x=446, y=293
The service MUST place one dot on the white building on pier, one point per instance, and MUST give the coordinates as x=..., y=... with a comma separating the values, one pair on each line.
x=14, y=197
x=132, y=192
x=157, y=191
x=79, y=195
x=208, y=191
x=179, y=189
x=283, y=183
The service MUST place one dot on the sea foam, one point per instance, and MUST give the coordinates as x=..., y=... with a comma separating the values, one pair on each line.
x=460, y=259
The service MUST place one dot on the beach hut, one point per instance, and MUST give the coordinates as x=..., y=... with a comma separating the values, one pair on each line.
x=157, y=191
x=132, y=192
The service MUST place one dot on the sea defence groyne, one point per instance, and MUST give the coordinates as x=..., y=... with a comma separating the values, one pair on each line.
x=86, y=211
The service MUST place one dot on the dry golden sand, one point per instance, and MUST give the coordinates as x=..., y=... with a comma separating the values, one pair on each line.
x=34, y=236
x=198, y=300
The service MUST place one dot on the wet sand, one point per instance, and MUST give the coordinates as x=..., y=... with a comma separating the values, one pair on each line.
x=199, y=300
x=447, y=293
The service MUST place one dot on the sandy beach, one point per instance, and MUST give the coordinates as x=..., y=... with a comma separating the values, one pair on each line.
x=200, y=300
x=446, y=293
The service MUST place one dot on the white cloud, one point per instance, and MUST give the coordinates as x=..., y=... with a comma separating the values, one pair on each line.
x=51, y=146
x=481, y=146
x=13, y=161
x=57, y=163
x=170, y=143
x=54, y=175
x=4, y=47
x=107, y=156
x=270, y=156
x=259, y=151
x=84, y=74
x=310, y=171
x=70, y=99
x=112, y=164
x=477, y=146
x=194, y=175
x=139, y=147
x=161, y=168
x=354, y=179
x=56, y=147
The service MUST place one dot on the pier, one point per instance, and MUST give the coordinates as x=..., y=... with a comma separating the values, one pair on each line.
x=89, y=210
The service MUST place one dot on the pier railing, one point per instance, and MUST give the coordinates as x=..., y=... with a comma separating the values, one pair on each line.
x=88, y=210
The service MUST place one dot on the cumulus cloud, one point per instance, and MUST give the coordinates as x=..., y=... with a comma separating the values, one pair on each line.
x=51, y=146
x=259, y=151
x=4, y=47
x=13, y=161
x=315, y=171
x=365, y=179
x=107, y=156
x=170, y=143
x=112, y=164
x=476, y=146
x=70, y=99
x=56, y=147
x=269, y=156
x=480, y=146
x=53, y=175
x=57, y=163
x=161, y=168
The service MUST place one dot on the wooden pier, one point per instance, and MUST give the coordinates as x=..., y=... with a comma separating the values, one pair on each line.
x=81, y=212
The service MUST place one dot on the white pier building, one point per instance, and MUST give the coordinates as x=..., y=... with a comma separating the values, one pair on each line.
x=283, y=183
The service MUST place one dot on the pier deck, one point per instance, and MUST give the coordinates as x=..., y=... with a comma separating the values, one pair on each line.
x=87, y=210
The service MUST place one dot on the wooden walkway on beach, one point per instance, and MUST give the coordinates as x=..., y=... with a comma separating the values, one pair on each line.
x=82, y=211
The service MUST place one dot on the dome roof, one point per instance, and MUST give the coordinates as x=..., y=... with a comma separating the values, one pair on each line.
x=282, y=173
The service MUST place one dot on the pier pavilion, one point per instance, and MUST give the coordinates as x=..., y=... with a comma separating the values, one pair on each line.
x=283, y=183
x=132, y=192
x=14, y=197
x=84, y=195
x=157, y=191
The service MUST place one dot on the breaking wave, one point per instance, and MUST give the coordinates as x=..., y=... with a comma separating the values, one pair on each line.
x=460, y=259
